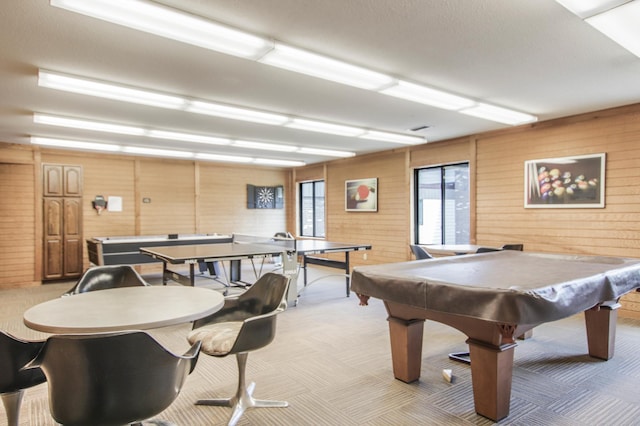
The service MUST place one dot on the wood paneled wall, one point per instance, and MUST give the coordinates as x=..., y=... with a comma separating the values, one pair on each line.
x=188, y=197
x=498, y=215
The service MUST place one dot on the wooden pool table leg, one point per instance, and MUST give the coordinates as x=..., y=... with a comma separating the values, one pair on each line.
x=491, y=374
x=601, y=329
x=406, y=348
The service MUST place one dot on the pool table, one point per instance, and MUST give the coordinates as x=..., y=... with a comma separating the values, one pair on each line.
x=492, y=298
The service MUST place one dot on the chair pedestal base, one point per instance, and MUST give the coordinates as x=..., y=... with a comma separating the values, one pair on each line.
x=12, y=402
x=243, y=399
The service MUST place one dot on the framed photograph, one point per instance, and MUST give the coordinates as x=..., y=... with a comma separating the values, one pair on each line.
x=361, y=195
x=565, y=182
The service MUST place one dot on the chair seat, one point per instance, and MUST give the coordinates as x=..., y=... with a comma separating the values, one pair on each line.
x=217, y=339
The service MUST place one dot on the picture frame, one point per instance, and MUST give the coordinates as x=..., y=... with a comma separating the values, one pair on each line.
x=565, y=182
x=361, y=195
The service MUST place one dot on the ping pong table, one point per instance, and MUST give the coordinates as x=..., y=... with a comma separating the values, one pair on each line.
x=252, y=248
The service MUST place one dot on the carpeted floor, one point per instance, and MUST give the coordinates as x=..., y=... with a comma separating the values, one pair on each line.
x=331, y=361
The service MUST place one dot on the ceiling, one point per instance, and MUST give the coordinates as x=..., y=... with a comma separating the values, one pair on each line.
x=531, y=56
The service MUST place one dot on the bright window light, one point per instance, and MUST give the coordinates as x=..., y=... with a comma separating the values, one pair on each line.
x=187, y=137
x=107, y=90
x=170, y=23
x=326, y=68
x=319, y=126
x=75, y=123
x=392, y=137
x=498, y=114
x=236, y=113
x=64, y=143
x=157, y=152
x=427, y=96
x=326, y=152
x=621, y=24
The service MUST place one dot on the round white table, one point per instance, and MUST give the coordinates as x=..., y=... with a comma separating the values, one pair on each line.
x=128, y=308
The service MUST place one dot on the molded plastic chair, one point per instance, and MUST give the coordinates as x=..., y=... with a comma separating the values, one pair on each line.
x=15, y=353
x=419, y=252
x=517, y=247
x=103, y=277
x=111, y=378
x=245, y=323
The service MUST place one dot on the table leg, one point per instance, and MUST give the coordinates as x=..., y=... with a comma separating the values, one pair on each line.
x=491, y=375
x=164, y=273
x=346, y=271
x=601, y=329
x=192, y=275
x=406, y=348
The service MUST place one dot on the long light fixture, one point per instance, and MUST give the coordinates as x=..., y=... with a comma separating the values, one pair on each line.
x=304, y=62
x=77, y=123
x=136, y=95
x=171, y=23
x=501, y=115
x=138, y=150
x=617, y=19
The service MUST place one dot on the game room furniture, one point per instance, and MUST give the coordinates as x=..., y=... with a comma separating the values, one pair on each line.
x=125, y=250
x=15, y=353
x=245, y=323
x=493, y=298
x=104, y=277
x=112, y=378
x=125, y=308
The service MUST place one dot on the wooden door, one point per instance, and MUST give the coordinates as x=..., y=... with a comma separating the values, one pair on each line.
x=62, y=221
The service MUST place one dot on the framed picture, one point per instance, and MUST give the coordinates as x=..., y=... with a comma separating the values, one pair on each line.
x=361, y=195
x=566, y=182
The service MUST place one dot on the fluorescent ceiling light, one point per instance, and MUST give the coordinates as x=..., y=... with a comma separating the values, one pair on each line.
x=326, y=68
x=187, y=137
x=287, y=163
x=75, y=123
x=226, y=158
x=392, y=137
x=621, y=24
x=587, y=8
x=63, y=143
x=170, y=23
x=265, y=146
x=498, y=114
x=321, y=127
x=427, y=96
x=157, y=152
x=236, y=113
x=326, y=152
x=107, y=90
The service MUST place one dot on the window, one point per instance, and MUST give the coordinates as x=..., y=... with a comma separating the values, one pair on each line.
x=442, y=204
x=312, y=209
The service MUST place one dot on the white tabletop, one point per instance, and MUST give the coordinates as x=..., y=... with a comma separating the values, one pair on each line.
x=128, y=308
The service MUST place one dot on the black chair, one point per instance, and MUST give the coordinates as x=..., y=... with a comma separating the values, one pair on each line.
x=487, y=249
x=15, y=353
x=103, y=277
x=517, y=247
x=419, y=252
x=111, y=378
x=245, y=323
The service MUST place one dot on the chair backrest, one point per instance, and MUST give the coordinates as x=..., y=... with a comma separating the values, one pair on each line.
x=111, y=378
x=518, y=247
x=487, y=249
x=15, y=353
x=257, y=308
x=419, y=252
x=103, y=277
